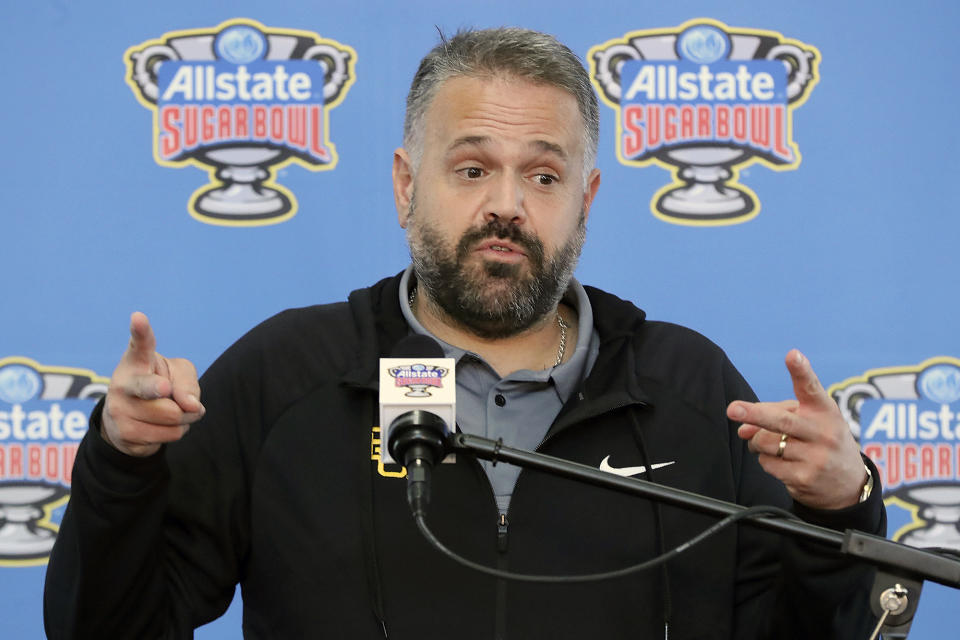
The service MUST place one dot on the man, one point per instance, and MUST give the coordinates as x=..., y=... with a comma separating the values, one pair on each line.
x=278, y=485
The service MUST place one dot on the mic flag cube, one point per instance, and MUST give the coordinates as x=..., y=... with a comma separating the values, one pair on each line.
x=407, y=384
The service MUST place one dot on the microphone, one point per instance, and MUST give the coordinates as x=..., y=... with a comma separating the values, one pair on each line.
x=418, y=408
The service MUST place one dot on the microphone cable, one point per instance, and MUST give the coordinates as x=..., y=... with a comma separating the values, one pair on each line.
x=749, y=512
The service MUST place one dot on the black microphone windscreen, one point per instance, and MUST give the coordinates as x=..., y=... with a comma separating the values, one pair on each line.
x=417, y=345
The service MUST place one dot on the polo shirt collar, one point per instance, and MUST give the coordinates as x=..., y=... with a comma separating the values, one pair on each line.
x=566, y=377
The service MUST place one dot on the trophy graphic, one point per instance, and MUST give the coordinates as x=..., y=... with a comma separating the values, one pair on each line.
x=241, y=100
x=939, y=503
x=22, y=535
x=939, y=508
x=417, y=378
x=903, y=418
x=32, y=487
x=704, y=159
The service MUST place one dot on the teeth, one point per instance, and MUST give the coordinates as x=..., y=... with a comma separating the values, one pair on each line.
x=497, y=248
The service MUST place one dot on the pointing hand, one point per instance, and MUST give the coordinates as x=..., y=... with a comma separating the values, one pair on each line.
x=805, y=443
x=151, y=399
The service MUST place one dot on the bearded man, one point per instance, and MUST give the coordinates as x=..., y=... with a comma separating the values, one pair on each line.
x=494, y=185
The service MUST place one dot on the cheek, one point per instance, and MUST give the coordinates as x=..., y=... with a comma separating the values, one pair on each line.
x=443, y=206
x=556, y=229
x=432, y=232
x=447, y=217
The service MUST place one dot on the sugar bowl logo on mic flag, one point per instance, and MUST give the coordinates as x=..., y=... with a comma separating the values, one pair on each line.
x=409, y=384
x=417, y=378
x=704, y=100
x=43, y=416
x=908, y=421
x=241, y=100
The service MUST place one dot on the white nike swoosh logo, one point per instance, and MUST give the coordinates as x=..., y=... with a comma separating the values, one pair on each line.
x=630, y=471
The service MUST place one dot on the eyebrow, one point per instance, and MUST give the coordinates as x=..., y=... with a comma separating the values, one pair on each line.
x=479, y=141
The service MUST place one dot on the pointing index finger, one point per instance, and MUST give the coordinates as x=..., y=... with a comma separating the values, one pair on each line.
x=143, y=344
x=806, y=385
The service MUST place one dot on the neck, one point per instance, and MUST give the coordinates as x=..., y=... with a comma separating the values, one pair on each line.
x=534, y=348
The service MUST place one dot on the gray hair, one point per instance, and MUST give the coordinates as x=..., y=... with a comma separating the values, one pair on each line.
x=520, y=53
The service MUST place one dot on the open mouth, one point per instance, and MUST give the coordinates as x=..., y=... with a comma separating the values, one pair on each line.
x=500, y=248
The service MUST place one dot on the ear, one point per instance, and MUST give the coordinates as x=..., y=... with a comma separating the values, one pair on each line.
x=402, y=184
x=593, y=183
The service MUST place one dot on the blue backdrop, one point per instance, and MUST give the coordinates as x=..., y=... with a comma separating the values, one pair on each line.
x=848, y=251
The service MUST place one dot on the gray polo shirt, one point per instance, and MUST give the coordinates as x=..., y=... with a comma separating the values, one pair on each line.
x=521, y=406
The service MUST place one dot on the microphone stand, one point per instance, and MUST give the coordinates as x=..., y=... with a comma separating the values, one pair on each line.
x=901, y=570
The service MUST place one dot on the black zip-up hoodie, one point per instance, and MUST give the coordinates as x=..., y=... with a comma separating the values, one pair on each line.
x=279, y=488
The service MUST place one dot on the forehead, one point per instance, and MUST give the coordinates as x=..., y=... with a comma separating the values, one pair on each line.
x=503, y=110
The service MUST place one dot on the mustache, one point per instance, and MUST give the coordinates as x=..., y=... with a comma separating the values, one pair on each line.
x=501, y=230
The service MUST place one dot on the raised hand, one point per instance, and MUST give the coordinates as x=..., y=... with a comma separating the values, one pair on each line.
x=151, y=399
x=805, y=443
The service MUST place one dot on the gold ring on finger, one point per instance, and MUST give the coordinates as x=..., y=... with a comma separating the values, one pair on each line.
x=783, y=445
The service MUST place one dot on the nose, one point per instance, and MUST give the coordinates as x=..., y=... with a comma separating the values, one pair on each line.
x=505, y=199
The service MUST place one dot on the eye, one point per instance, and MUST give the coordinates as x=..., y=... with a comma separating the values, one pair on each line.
x=546, y=179
x=471, y=173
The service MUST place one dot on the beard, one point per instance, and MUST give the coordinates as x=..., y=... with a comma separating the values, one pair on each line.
x=492, y=299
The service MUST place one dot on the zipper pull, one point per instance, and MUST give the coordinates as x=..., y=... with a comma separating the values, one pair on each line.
x=502, y=533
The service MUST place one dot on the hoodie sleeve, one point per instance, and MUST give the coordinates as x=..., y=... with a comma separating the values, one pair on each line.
x=142, y=552
x=154, y=547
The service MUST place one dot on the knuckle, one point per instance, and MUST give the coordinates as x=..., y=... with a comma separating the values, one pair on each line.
x=166, y=412
x=790, y=420
x=804, y=476
x=117, y=405
x=134, y=416
x=832, y=438
x=142, y=388
x=184, y=370
x=184, y=365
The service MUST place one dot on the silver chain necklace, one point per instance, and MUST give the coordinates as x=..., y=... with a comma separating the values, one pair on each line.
x=560, y=323
x=563, y=339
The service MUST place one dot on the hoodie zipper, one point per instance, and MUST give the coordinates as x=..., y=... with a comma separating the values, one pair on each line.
x=503, y=531
x=503, y=524
x=500, y=624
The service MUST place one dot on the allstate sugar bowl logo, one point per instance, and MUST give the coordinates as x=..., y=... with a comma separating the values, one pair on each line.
x=43, y=416
x=418, y=378
x=705, y=100
x=908, y=422
x=241, y=100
